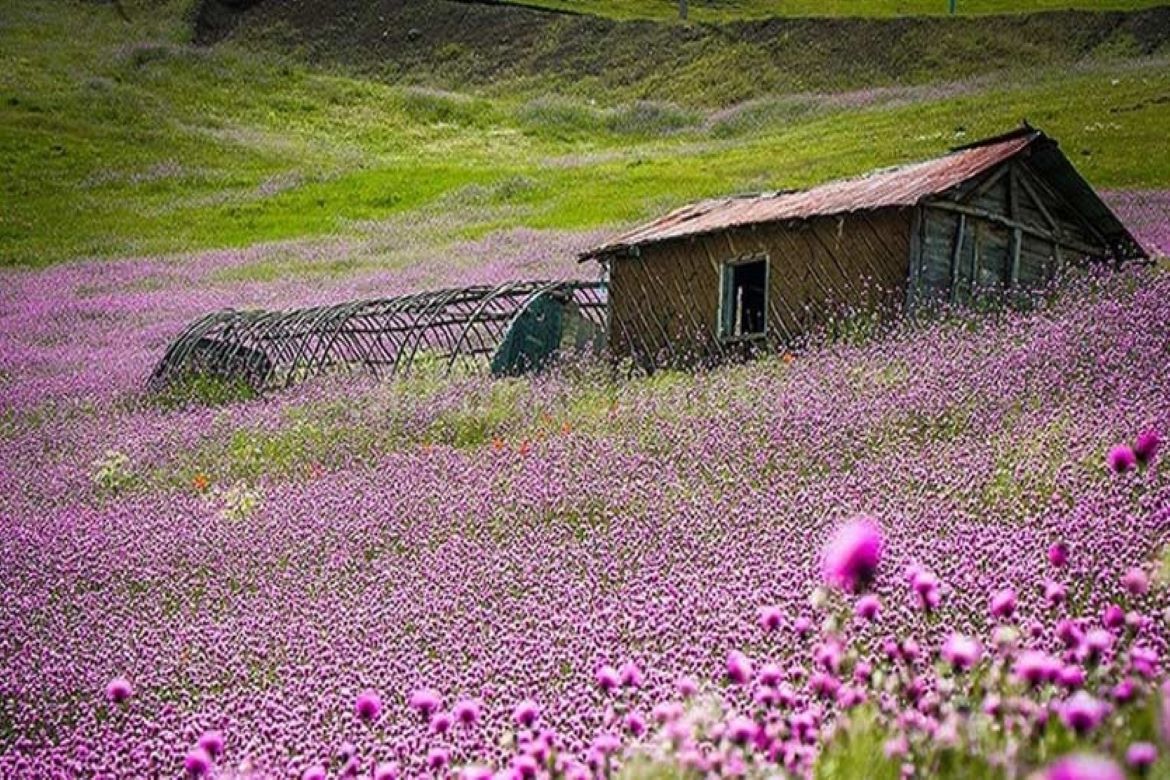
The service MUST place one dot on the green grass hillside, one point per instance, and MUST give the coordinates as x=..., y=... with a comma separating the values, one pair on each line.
x=130, y=139
x=726, y=10
x=508, y=51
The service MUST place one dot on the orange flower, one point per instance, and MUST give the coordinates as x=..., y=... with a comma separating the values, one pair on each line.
x=497, y=443
x=201, y=482
x=789, y=357
x=524, y=447
x=565, y=428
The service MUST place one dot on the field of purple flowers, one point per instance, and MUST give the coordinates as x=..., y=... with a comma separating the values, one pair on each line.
x=581, y=575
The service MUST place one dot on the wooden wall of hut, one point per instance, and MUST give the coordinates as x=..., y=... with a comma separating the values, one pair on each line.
x=1008, y=230
x=664, y=304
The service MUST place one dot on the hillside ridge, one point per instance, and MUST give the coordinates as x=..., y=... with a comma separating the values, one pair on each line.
x=485, y=45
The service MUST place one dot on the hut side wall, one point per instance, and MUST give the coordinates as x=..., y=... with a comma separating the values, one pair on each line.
x=1007, y=230
x=664, y=304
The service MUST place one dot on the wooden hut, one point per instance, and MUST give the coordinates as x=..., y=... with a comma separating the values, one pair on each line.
x=739, y=273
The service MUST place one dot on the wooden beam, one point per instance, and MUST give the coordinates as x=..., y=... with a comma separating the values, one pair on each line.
x=987, y=183
x=1056, y=195
x=1014, y=193
x=914, y=273
x=956, y=252
x=975, y=249
x=999, y=219
x=1017, y=240
x=1039, y=203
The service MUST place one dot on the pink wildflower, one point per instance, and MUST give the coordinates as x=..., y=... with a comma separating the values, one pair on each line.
x=961, y=652
x=1082, y=713
x=526, y=713
x=1003, y=603
x=868, y=607
x=851, y=558
x=425, y=701
x=1136, y=582
x=739, y=668
x=1146, y=446
x=118, y=690
x=1083, y=767
x=197, y=762
x=1121, y=459
x=1058, y=555
x=368, y=706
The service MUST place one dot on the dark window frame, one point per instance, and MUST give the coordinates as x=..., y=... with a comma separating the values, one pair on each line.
x=727, y=297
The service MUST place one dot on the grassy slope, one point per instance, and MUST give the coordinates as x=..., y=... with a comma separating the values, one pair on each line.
x=725, y=10
x=127, y=140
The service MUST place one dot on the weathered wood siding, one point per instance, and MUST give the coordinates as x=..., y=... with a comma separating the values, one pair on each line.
x=1007, y=230
x=664, y=304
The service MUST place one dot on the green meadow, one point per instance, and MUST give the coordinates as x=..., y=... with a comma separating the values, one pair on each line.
x=129, y=139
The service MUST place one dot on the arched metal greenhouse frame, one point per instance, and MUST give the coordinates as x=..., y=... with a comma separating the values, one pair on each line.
x=506, y=329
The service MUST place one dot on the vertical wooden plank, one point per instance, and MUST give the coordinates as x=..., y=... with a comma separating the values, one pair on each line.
x=1014, y=278
x=1013, y=193
x=956, y=253
x=976, y=248
x=915, y=260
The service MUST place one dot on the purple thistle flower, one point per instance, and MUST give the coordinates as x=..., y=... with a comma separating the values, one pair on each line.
x=635, y=724
x=741, y=730
x=1055, y=593
x=1003, y=603
x=1146, y=447
x=1121, y=458
x=1071, y=677
x=441, y=723
x=666, y=712
x=739, y=668
x=386, y=770
x=1058, y=555
x=686, y=687
x=771, y=674
x=437, y=758
x=425, y=701
x=368, y=706
x=608, y=678
x=771, y=618
x=466, y=712
x=1113, y=617
x=212, y=742
x=1136, y=581
x=926, y=587
x=1069, y=633
x=1035, y=667
x=606, y=744
x=526, y=713
x=197, y=763
x=961, y=652
x=1083, y=767
x=1097, y=643
x=119, y=690
x=525, y=767
x=851, y=558
x=868, y=607
x=1082, y=713
x=1141, y=756
x=631, y=675
x=1144, y=661
x=1124, y=692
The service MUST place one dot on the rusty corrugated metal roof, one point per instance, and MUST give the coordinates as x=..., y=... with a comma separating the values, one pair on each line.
x=904, y=185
